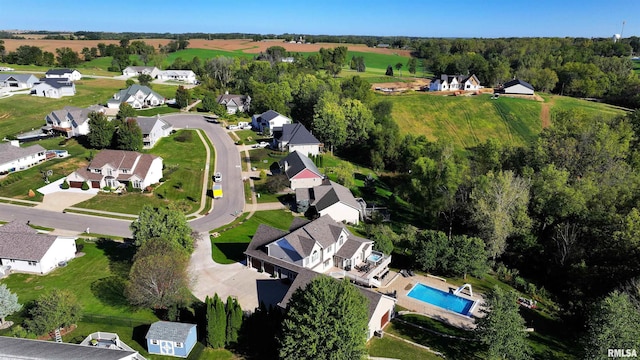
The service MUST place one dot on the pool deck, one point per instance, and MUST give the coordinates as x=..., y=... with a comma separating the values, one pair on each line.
x=403, y=285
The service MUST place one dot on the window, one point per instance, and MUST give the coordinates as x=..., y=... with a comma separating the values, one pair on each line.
x=154, y=342
x=178, y=344
x=33, y=263
x=329, y=249
x=315, y=256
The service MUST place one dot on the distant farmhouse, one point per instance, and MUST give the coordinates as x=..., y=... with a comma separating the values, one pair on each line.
x=516, y=87
x=54, y=88
x=71, y=74
x=115, y=168
x=137, y=96
x=269, y=121
x=17, y=81
x=455, y=82
x=71, y=121
x=185, y=76
x=296, y=137
x=15, y=158
x=131, y=71
x=234, y=103
x=23, y=249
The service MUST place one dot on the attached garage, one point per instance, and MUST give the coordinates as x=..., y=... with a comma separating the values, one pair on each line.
x=76, y=184
x=385, y=320
x=95, y=184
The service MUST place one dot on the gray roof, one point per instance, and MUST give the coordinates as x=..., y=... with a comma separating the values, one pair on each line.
x=9, y=152
x=264, y=235
x=297, y=163
x=28, y=349
x=123, y=95
x=170, y=331
x=20, y=242
x=238, y=99
x=59, y=71
x=56, y=82
x=18, y=77
x=331, y=193
x=297, y=134
x=350, y=247
x=76, y=114
x=147, y=124
x=141, y=68
x=269, y=115
x=324, y=231
x=517, y=82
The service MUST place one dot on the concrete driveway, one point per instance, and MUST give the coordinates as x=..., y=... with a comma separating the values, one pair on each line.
x=58, y=201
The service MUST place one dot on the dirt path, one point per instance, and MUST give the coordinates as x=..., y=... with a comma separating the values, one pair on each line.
x=545, y=113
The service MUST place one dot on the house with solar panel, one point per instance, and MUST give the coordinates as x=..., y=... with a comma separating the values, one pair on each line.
x=171, y=338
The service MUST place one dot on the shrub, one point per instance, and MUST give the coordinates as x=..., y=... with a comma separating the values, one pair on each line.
x=65, y=184
x=129, y=187
x=85, y=186
x=185, y=136
x=162, y=179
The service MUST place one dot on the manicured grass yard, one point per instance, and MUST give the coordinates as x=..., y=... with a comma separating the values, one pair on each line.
x=234, y=238
x=389, y=347
x=263, y=158
x=184, y=171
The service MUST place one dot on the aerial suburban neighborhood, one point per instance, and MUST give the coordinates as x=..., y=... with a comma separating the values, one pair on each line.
x=199, y=187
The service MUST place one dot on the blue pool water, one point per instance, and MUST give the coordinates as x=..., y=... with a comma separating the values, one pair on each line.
x=374, y=257
x=441, y=299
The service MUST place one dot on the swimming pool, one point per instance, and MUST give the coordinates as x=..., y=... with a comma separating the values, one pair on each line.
x=441, y=299
x=374, y=257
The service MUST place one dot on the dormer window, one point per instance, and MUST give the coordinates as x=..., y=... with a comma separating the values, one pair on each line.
x=315, y=256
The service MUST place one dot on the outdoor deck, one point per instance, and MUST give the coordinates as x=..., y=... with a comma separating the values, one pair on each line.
x=369, y=273
x=108, y=340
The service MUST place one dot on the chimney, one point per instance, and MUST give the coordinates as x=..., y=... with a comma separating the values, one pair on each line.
x=286, y=165
x=226, y=92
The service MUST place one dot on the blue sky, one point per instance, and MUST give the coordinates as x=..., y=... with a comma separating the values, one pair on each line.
x=428, y=18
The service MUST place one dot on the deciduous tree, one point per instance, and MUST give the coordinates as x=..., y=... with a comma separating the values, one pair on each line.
x=164, y=223
x=183, y=97
x=128, y=135
x=52, y=310
x=145, y=80
x=325, y=320
x=125, y=111
x=8, y=303
x=66, y=57
x=101, y=131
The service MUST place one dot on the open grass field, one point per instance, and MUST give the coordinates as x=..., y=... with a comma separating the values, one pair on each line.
x=184, y=171
x=636, y=66
x=229, y=246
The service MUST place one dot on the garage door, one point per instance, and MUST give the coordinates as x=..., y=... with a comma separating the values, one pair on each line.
x=75, y=184
x=95, y=184
x=385, y=320
x=268, y=268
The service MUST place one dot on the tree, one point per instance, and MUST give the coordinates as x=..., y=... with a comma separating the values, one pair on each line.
x=389, y=71
x=327, y=319
x=210, y=104
x=145, y=80
x=359, y=120
x=613, y=324
x=101, y=131
x=125, y=111
x=329, y=122
x=183, y=97
x=499, y=208
x=165, y=223
x=383, y=237
x=129, y=82
x=128, y=135
x=66, y=57
x=158, y=277
x=52, y=310
x=216, y=322
x=8, y=303
x=234, y=320
x=345, y=174
x=501, y=330
x=412, y=65
x=399, y=68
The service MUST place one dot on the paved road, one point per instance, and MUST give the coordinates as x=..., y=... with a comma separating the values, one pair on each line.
x=227, y=162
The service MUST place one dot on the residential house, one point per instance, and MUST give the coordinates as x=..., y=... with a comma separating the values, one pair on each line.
x=138, y=96
x=71, y=121
x=300, y=170
x=517, y=87
x=25, y=250
x=15, y=158
x=171, y=338
x=322, y=246
x=234, y=103
x=331, y=199
x=269, y=121
x=296, y=137
x=54, y=88
x=153, y=129
x=19, y=348
x=71, y=74
x=114, y=168
x=455, y=83
x=185, y=76
x=17, y=81
x=131, y=71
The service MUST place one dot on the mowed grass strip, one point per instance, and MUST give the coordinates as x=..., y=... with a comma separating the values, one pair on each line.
x=184, y=163
x=233, y=239
x=391, y=348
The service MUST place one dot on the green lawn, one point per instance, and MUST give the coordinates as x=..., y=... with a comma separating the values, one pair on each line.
x=389, y=347
x=263, y=158
x=234, y=238
x=636, y=66
x=590, y=107
x=184, y=171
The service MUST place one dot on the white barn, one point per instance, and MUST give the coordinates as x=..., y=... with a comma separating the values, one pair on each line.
x=71, y=74
x=517, y=87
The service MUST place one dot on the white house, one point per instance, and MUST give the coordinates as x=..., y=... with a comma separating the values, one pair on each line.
x=54, y=88
x=455, y=82
x=185, y=76
x=71, y=74
x=517, y=87
x=25, y=250
x=269, y=121
x=131, y=71
x=296, y=137
x=17, y=81
x=331, y=199
x=153, y=129
x=71, y=121
x=18, y=348
x=234, y=103
x=301, y=171
x=114, y=168
x=14, y=158
x=137, y=96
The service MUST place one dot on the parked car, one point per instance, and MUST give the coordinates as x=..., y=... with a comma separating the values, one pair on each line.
x=261, y=144
x=211, y=118
x=232, y=127
x=217, y=177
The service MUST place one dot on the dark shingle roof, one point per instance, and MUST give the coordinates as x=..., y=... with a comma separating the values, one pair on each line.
x=170, y=331
x=326, y=195
x=9, y=152
x=17, y=348
x=56, y=82
x=298, y=162
x=264, y=235
x=517, y=82
x=297, y=134
x=297, y=223
x=59, y=71
x=269, y=115
x=124, y=95
x=146, y=124
x=20, y=242
x=18, y=77
x=238, y=99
